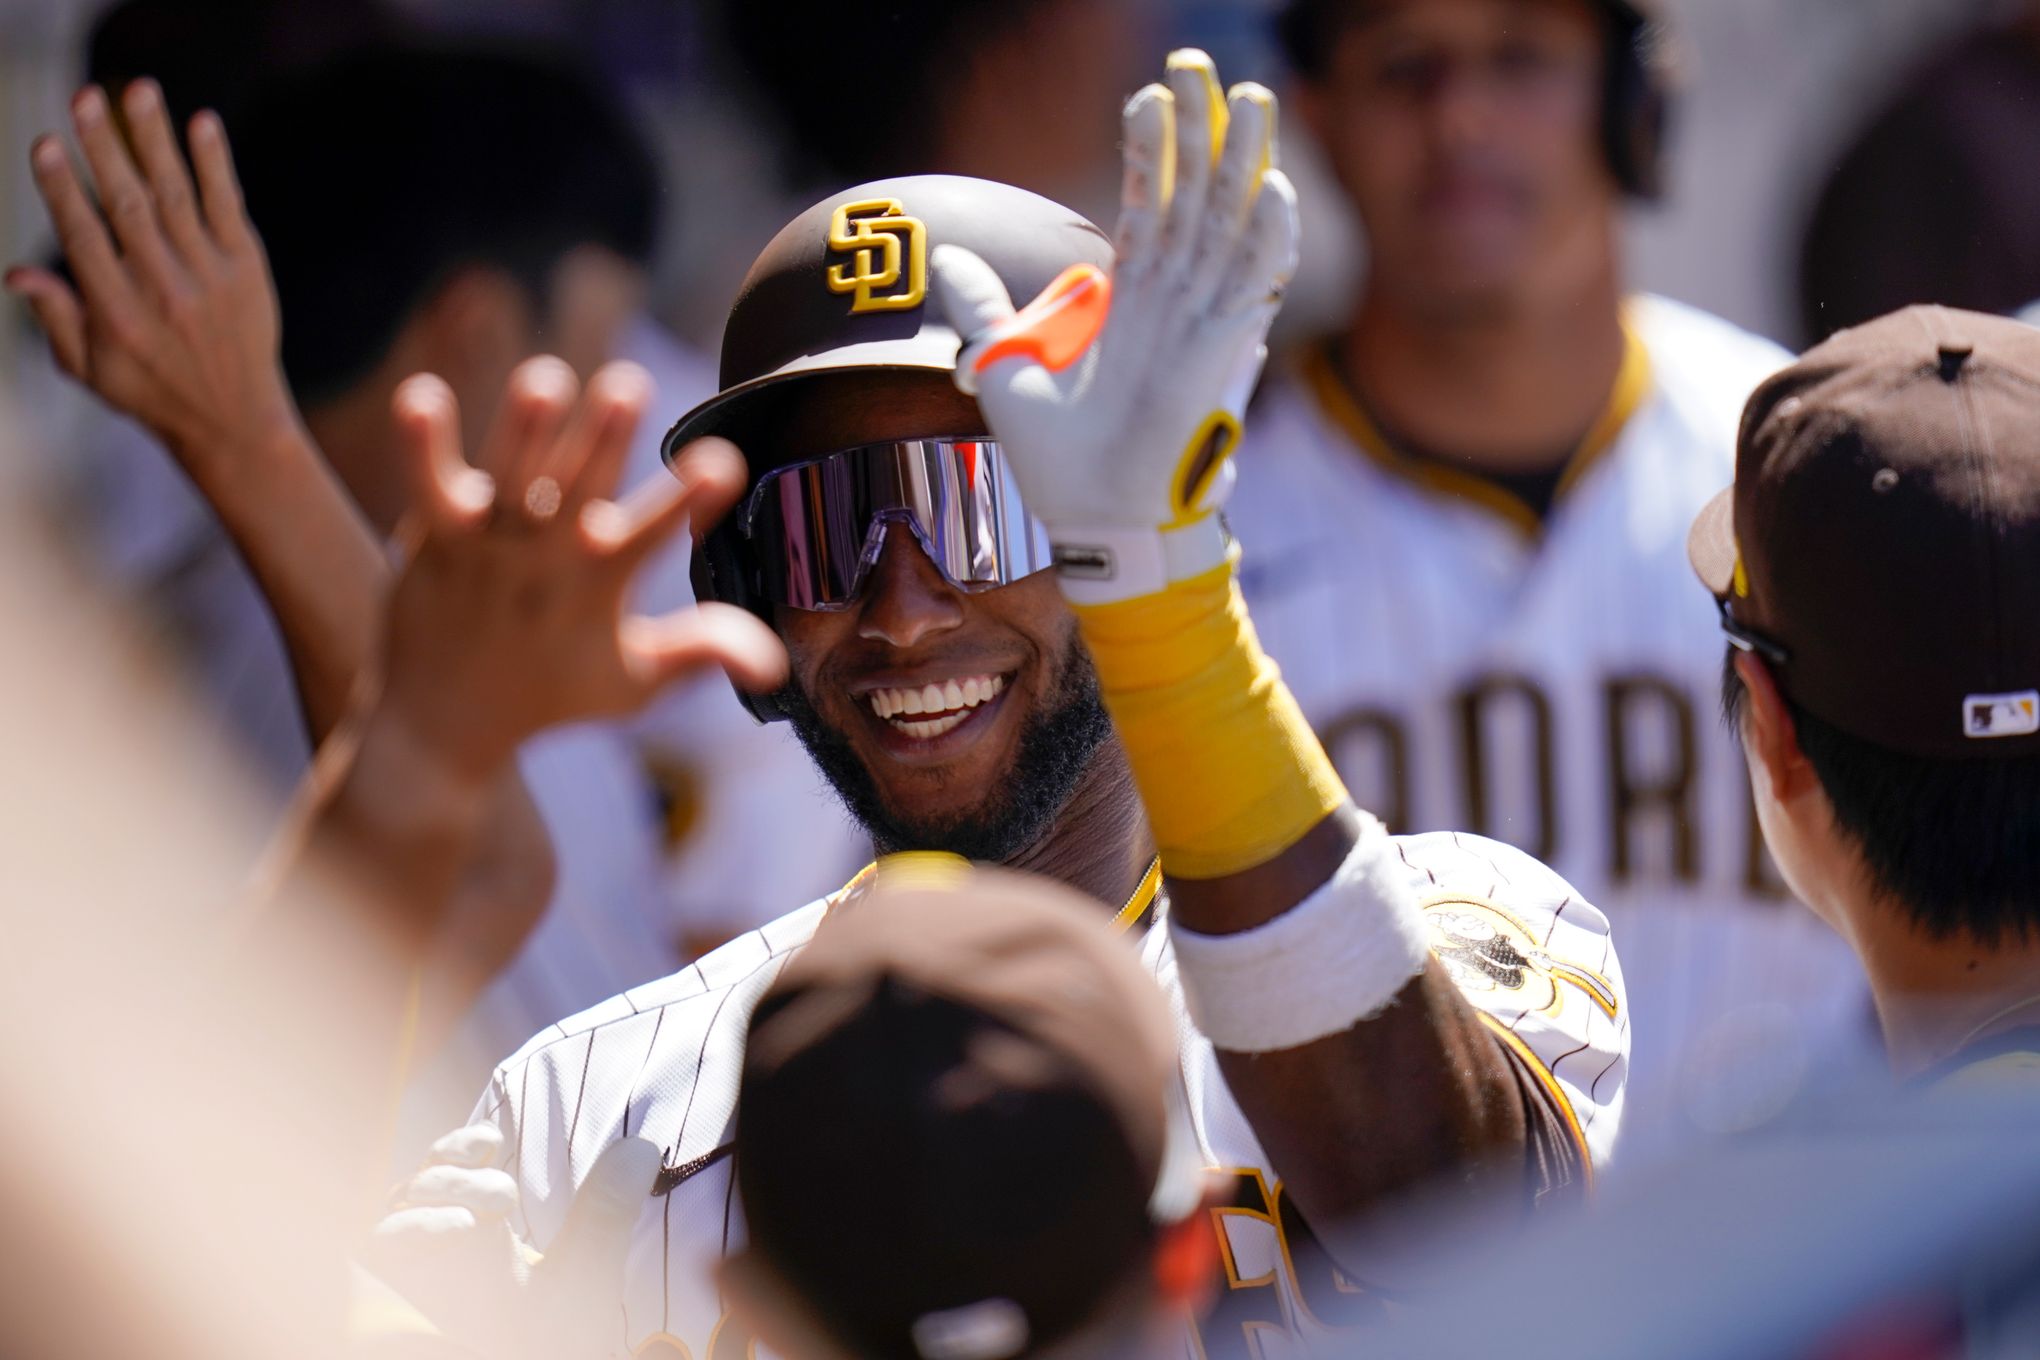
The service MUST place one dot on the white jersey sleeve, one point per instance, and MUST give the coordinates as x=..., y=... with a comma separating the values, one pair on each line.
x=659, y=1062
x=1536, y=960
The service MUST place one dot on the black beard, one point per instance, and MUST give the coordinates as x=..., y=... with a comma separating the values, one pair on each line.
x=1056, y=747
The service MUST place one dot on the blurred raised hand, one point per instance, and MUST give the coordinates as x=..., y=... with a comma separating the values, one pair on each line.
x=170, y=316
x=509, y=615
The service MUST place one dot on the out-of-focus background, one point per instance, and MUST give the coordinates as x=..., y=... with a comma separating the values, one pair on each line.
x=1829, y=160
x=1775, y=90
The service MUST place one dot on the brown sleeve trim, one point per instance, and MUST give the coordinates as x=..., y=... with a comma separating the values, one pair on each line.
x=1556, y=1101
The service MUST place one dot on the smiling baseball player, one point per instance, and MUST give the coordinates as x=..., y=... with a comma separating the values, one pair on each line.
x=1359, y=1015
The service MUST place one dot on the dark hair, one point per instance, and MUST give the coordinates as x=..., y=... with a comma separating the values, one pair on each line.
x=211, y=53
x=376, y=176
x=1952, y=842
x=860, y=93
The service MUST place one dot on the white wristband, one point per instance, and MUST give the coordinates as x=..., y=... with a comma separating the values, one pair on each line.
x=1098, y=564
x=1335, y=959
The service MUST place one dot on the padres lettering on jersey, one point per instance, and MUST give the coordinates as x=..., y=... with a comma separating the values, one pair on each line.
x=662, y=1062
x=1553, y=686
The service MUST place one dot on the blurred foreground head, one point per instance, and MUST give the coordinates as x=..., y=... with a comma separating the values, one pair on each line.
x=1486, y=144
x=429, y=207
x=953, y=1134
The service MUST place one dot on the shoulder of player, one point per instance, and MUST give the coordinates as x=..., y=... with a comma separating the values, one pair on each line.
x=743, y=960
x=1457, y=866
x=1700, y=360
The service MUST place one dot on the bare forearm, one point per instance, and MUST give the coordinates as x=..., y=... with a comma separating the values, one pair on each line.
x=405, y=832
x=326, y=578
x=1420, y=1096
x=316, y=560
x=1321, y=1109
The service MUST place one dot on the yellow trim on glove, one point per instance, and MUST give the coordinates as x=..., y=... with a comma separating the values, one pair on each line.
x=1228, y=769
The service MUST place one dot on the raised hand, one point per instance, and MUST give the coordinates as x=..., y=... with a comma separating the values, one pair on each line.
x=173, y=319
x=1119, y=401
x=509, y=616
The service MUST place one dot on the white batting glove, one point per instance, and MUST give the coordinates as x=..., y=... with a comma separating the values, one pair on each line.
x=1119, y=401
x=448, y=1249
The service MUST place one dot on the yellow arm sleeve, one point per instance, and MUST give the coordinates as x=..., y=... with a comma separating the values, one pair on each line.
x=1228, y=769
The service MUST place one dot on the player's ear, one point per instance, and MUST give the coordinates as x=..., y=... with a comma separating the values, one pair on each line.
x=1769, y=737
x=770, y=1311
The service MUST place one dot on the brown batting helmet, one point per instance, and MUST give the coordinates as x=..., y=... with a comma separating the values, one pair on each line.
x=840, y=299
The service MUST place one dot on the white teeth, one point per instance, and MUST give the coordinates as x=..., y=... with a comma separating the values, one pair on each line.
x=926, y=730
x=953, y=698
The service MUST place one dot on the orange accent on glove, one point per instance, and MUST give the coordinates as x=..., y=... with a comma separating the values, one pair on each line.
x=1057, y=327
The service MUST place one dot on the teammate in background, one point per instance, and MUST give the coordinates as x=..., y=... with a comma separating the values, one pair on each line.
x=1891, y=713
x=1363, y=1015
x=143, y=523
x=1463, y=517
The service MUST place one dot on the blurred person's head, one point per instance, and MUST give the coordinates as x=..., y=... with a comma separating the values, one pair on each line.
x=937, y=677
x=1026, y=92
x=1485, y=144
x=210, y=54
x=447, y=210
x=1877, y=564
x=953, y=1133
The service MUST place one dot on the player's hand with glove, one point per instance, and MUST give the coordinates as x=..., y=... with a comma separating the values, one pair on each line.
x=1298, y=939
x=448, y=1250
x=1118, y=400
x=1118, y=403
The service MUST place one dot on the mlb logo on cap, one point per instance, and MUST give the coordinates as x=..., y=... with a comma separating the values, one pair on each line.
x=2001, y=715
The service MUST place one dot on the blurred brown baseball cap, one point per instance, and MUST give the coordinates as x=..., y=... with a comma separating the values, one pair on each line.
x=1881, y=545
x=952, y=1131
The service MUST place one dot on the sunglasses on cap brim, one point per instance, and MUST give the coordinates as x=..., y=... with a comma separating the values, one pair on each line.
x=816, y=529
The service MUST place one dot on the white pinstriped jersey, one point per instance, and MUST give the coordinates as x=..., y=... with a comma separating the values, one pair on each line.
x=662, y=1062
x=1555, y=687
